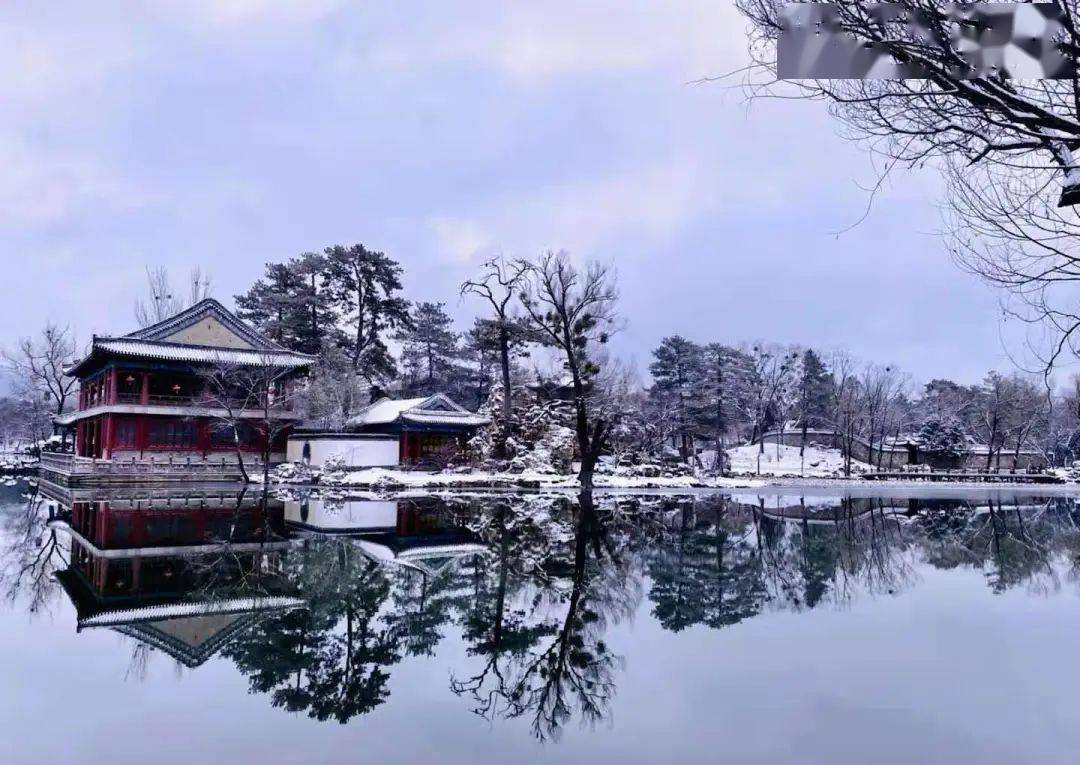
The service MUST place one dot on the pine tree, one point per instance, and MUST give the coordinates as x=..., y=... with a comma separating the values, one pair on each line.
x=479, y=350
x=815, y=392
x=289, y=305
x=942, y=436
x=676, y=372
x=363, y=286
x=430, y=351
x=726, y=385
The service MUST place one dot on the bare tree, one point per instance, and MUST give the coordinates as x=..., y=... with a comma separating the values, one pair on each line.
x=499, y=282
x=995, y=402
x=847, y=404
x=1005, y=145
x=881, y=386
x=1029, y=416
x=250, y=396
x=774, y=371
x=37, y=367
x=575, y=311
x=165, y=300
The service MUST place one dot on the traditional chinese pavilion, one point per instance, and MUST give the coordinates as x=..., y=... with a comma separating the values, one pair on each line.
x=426, y=428
x=143, y=395
x=175, y=571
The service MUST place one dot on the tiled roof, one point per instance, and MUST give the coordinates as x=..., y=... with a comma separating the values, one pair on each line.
x=432, y=410
x=386, y=410
x=445, y=418
x=202, y=309
x=201, y=353
x=152, y=343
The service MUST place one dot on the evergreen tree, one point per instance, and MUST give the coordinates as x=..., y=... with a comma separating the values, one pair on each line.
x=288, y=304
x=430, y=350
x=942, y=436
x=676, y=372
x=363, y=286
x=480, y=351
x=814, y=394
x=726, y=392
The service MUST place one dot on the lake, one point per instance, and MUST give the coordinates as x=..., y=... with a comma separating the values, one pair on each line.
x=773, y=625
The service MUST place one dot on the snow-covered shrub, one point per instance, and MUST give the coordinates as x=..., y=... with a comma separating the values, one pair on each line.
x=552, y=453
x=536, y=437
x=333, y=469
x=292, y=472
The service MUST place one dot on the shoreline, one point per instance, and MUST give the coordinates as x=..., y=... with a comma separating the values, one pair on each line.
x=392, y=481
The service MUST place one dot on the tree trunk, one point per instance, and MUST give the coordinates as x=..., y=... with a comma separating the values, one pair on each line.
x=504, y=363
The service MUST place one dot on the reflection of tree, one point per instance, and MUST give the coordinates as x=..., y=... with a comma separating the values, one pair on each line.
x=554, y=665
x=492, y=625
x=423, y=604
x=1017, y=556
x=1013, y=545
x=706, y=572
x=32, y=554
x=817, y=562
x=329, y=659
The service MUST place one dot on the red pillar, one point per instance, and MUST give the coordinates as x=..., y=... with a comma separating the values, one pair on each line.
x=140, y=432
x=107, y=439
x=144, y=394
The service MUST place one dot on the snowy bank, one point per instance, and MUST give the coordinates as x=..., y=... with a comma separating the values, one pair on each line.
x=785, y=461
x=383, y=479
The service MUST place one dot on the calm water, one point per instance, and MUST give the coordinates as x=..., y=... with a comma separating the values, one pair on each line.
x=218, y=626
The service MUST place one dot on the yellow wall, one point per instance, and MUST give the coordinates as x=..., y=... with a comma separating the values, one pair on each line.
x=209, y=331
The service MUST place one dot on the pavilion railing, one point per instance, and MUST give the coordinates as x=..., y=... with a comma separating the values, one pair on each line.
x=215, y=467
x=213, y=403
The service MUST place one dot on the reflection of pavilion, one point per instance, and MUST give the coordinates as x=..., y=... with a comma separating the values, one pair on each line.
x=409, y=532
x=184, y=574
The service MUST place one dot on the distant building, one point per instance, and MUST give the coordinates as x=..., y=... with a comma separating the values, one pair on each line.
x=426, y=428
x=906, y=450
x=142, y=395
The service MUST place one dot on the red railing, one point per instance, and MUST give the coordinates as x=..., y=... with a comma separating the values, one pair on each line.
x=210, y=403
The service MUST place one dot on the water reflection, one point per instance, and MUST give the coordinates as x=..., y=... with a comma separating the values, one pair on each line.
x=316, y=599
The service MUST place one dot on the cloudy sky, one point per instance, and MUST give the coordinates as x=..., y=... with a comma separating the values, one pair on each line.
x=230, y=133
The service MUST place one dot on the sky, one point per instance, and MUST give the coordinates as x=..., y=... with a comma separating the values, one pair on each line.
x=227, y=134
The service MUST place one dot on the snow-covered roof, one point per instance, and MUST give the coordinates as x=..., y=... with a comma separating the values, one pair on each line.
x=241, y=344
x=431, y=410
x=201, y=353
x=386, y=410
x=201, y=310
x=186, y=609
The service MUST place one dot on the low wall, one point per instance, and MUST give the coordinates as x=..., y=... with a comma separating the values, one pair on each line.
x=896, y=457
x=359, y=450
x=181, y=458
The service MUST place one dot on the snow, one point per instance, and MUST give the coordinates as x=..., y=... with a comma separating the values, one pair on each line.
x=386, y=410
x=180, y=352
x=392, y=479
x=817, y=462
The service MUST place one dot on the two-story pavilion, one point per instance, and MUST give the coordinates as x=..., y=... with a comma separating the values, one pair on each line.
x=144, y=394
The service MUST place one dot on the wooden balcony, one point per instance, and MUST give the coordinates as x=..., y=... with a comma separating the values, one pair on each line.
x=197, y=401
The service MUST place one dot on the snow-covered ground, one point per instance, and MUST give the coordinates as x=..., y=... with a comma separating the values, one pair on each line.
x=390, y=479
x=786, y=461
x=783, y=467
